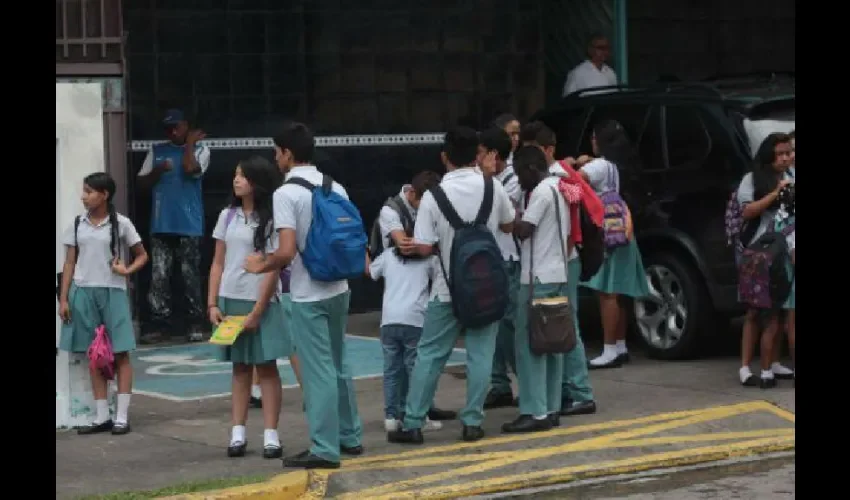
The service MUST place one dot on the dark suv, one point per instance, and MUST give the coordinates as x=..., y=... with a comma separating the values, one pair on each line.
x=695, y=142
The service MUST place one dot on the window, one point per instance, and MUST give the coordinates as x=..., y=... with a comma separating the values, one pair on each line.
x=651, y=146
x=688, y=142
x=631, y=116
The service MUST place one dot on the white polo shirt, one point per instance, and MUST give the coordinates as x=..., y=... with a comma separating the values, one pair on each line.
x=94, y=257
x=464, y=188
x=389, y=220
x=506, y=241
x=293, y=209
x=405, y=287
x=586, y=75
x=548, y=253
x=238, y=238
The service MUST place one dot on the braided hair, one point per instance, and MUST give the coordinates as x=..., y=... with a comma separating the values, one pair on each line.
x=103, y=183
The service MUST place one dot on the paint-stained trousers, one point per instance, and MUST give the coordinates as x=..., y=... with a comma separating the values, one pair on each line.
x=504, y=359
x=332, y=416
x=539, y=377
x=576, y=382
x=165, y=249
x=439, y=334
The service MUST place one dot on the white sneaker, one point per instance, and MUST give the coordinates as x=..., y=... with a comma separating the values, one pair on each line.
x=391, y=424
x=432, y=425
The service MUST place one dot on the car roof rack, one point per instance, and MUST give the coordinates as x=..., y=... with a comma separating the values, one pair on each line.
x=703, y=88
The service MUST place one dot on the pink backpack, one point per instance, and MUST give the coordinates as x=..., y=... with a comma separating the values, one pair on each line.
x=100, y=353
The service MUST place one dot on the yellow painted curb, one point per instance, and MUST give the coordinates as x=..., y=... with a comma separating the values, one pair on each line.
x=289, y=486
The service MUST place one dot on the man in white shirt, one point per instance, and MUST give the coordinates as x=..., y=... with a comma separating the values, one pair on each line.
x=464, y=186
x=593, y=72
x=319, y=311
x=495, y=147
x=577, y=394
x=544, y=232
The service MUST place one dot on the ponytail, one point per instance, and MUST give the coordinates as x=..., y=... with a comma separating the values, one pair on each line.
x=114, y=229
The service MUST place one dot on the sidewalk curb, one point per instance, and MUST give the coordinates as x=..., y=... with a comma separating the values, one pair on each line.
x=287, y=486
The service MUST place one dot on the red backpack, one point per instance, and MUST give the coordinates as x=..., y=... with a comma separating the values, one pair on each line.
x=586, y=221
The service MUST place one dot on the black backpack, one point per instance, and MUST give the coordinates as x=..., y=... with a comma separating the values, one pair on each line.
x=376, y=242
x=591, y=251
x=763, y=278
x=479, y=283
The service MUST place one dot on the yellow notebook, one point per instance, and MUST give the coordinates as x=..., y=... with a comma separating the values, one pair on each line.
x=228, y=330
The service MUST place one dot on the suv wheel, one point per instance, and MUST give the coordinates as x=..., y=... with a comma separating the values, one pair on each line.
x=669, y=320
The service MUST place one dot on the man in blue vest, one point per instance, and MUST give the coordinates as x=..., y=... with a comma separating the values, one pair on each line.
x=173, y=170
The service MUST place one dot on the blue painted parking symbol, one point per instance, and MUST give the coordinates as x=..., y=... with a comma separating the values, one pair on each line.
x=192, y=372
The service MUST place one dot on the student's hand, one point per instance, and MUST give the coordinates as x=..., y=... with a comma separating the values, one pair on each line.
x=195, y=135
x=569, y=160
x=407, y=246
x=215, y=315
x=782, y=184
x=252, y=321
x=583, y=159
x=65, y=312
x=254, y=263
x=118, y=267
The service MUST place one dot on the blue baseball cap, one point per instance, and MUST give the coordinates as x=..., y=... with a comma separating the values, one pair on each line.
x=173, y=117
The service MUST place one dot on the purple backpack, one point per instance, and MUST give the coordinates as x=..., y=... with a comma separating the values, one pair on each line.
x=763, y=278
x=616, y=212
x=285, y=273
x=734, y=221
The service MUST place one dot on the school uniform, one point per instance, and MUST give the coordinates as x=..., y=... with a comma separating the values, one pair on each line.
x=320, y=316
x=464, y=188
x=540, y=377
x=239, y=291
x=504, y=358
x=389, y=220
x=576, y=390
x=622, y=272
x=97, y=295
x=406, y=284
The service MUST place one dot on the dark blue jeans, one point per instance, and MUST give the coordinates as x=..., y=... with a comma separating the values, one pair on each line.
x=399, y=345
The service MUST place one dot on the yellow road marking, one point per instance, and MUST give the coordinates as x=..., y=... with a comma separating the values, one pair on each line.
x=631, y=438
x=565, y=474
x=631, y=443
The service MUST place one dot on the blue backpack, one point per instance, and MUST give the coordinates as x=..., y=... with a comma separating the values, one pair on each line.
x=479, y=283
x=336, y=242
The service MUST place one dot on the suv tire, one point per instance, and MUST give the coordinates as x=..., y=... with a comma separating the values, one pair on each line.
x=686, y=306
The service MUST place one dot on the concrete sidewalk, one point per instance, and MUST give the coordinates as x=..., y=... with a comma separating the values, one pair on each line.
x=651, y=414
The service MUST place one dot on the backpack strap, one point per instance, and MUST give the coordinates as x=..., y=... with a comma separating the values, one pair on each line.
x=76, y=227
x=300, y=181
x=446, y=207
x=231, y=213
x=397, y=204
x=486, y=203
x=327, y=184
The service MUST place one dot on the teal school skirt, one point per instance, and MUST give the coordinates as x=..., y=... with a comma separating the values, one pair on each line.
x=95, y=306
x=622, y=273
x=267, y=343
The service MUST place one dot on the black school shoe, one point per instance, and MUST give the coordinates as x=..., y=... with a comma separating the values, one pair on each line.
x=406, y=436
x=572, y=409
x=95, y=428
x=237, y=449
x=272, y=451
x=255, y=402
x=527, y=423
x=120, y=428
x=767, y=383
x=306, y=460
x=498, y=400
x=437, y=414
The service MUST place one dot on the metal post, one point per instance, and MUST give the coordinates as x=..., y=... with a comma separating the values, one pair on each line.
x=621, y=49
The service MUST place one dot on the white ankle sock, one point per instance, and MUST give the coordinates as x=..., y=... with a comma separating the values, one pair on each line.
x=621, y=347
x=779, y=369
x=122, y=407
x=543, y=417
x=609, y=354
x=102, y=408
x=237, y=435
x=766, y=374
x=270, y=438
x=745, y=373
x=256, y=392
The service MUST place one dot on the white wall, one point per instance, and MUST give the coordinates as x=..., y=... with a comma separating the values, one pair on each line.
x=79, y=152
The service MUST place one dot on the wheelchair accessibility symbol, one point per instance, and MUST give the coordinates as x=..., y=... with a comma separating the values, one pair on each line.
x=189, y=365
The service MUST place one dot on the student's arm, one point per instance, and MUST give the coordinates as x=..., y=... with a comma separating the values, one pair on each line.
x=390, y=224
x=285, y=221
x=134, y=243
x=69, y=241
x=217, y=267
x=149, y=174
x=376, y=267
x=752, y=209
x=594, y=172
x=267, y=289
x=505, y=208
x=425, y=229
x=538, y=203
